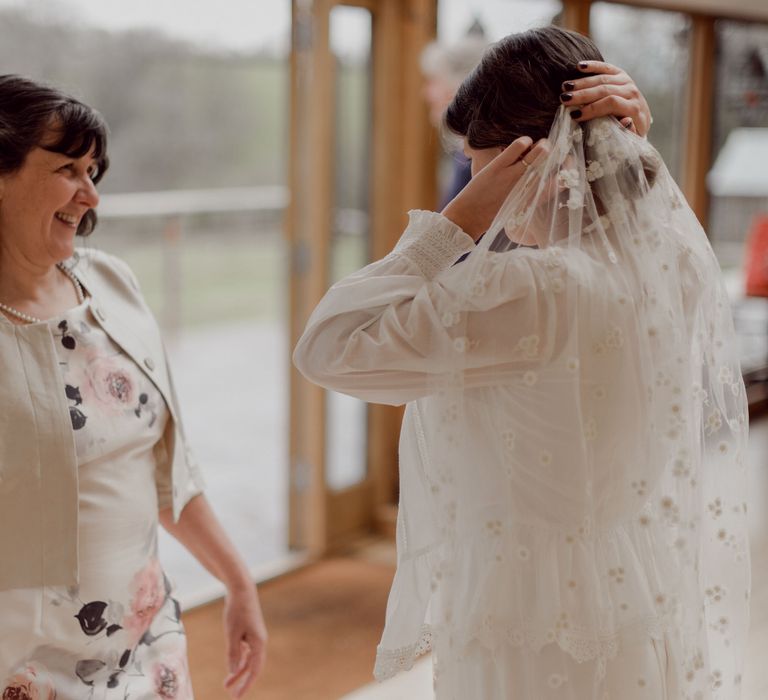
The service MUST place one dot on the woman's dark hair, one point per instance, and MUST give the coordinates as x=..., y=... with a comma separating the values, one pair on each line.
x=32, y=115
x=515, y=89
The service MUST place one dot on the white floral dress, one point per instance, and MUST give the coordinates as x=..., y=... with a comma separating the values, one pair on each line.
x=117, y=634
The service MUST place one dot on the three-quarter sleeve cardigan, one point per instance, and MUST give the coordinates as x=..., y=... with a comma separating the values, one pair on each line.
x=38, y=463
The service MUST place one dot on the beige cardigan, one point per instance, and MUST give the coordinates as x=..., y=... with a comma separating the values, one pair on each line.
x=38, y=464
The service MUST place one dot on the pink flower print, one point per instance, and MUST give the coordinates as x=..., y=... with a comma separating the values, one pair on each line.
x=31, y=682
x=148, y=596
x=109, y=380
x=171, y=678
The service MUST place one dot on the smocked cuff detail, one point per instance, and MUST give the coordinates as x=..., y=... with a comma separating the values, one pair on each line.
x=432, y=242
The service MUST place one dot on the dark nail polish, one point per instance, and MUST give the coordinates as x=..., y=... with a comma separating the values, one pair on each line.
x=566, y=97
x=576, y=114
x=582, y=64
x=568, y=86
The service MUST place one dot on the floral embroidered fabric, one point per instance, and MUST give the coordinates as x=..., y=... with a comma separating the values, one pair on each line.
x=572, y=455
x=117, y=634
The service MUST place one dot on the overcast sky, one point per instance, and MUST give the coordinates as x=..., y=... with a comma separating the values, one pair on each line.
x=257, y=24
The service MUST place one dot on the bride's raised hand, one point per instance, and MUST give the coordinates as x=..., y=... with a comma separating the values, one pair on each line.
x=610, y=92
x=475, y=207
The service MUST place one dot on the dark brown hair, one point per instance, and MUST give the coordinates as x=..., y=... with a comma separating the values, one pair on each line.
x=515, y=89
x=35, y=115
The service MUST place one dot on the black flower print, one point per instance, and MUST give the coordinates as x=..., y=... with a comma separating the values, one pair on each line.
x=176, y=610
x=67, y=339
x=143, y=398
x=87, y=670
x=144, y=408
x=77, y=417
x=118, y=666
x=114, y=679
x=73, y=394
x=91, y=617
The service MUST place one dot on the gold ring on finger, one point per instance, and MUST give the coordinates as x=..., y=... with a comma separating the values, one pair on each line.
x=525, y=162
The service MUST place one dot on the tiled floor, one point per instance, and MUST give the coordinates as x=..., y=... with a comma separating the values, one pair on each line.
x=415, y=684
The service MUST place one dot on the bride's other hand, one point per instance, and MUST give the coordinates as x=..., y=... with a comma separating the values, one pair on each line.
x=475, y=207
x=611, y=92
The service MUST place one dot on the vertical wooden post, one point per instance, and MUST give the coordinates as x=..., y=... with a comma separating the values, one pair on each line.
x=404, y=156
x=576, y=15
x=697, y=155
x=405, y=153
x=308, y=221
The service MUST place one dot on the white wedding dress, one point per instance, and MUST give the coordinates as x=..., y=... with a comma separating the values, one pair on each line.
x=572, y=461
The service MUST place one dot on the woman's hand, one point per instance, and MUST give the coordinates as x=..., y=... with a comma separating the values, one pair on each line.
x=609, y=93
x=200, y=531
x=246, y=636
x=475, y=207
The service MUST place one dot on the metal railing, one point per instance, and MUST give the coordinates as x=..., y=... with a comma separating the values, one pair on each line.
x=173, y=206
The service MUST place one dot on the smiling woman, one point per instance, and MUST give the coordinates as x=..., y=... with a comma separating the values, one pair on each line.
x=70, y=132
x=92, y=452
x=52, y=154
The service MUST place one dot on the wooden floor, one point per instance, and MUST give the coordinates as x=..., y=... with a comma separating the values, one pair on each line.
x=324, y=623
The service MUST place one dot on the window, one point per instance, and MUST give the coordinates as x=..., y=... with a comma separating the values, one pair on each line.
x=652, y=46
x=196, y=97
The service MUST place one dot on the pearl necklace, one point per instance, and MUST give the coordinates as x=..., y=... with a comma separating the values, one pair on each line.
x=33, y=319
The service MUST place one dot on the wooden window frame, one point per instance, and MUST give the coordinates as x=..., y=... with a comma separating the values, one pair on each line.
x=699, y=110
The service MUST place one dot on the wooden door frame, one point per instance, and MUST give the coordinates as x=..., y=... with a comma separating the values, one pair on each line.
x=403, y=158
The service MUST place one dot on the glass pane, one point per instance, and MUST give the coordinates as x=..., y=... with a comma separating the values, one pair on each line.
x=495, y=18
x=350, y=38
x=197, y=106
x=657, y=59
x=738, y=181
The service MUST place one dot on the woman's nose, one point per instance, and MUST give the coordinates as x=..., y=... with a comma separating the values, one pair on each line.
x=87, y=194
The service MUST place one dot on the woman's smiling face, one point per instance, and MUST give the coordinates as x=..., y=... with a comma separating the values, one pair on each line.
x=43, y=202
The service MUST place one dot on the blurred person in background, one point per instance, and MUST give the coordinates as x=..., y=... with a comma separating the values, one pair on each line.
x=572, y=520
x=443, y=67
x=92, y=451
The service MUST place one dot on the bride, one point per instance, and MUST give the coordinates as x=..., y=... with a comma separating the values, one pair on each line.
x=572, y=521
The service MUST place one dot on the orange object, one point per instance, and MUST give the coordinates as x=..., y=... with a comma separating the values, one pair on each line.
x=756, y=262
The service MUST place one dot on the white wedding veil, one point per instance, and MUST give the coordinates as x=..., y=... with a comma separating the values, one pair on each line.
x=589, y=488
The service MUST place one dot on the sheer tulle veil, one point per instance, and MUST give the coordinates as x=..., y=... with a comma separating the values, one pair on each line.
x=594, y=488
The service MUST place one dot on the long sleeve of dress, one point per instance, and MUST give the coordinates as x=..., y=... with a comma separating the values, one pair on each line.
x=389, y=333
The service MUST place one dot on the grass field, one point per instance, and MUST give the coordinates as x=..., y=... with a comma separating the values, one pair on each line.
x=220, y=274
x=208, y=279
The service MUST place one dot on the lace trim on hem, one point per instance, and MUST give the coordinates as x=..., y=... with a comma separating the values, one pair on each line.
x=390, y=662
